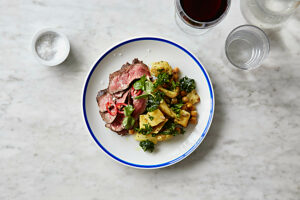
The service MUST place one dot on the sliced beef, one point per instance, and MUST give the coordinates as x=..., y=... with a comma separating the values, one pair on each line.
x=123, y=132
x=121, y=79
x=102, y=98
x=123, y=98
x=107, y=118
x=139, y=106
x=116, y=125
x=119, y=94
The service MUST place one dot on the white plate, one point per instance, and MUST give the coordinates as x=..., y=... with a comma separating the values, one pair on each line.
x=125, y=149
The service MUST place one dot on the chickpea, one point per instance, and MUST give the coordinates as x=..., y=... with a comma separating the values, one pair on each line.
x=174, y=101
x=194, y=113
x=184, y=107
x=193, y=120
x=131, y=131
x=189, y=105
x=176, y=70
x=175, y=77
x=178, y=129
x=185, y=99
x=193, y=107
x=183, y=93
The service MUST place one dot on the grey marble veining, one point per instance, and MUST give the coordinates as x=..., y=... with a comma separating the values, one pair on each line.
x=251, y=151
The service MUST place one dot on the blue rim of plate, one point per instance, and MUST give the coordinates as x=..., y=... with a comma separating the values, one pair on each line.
x=203, y=133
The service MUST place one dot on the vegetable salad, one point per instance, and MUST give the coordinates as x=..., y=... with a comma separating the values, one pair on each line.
x=170, y=106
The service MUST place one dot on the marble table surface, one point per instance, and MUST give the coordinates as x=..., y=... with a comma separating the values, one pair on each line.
x=252, y=150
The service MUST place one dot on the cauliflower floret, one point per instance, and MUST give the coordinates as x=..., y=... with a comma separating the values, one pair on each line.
x=159, y=67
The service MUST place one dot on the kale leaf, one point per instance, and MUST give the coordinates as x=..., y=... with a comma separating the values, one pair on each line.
x=170, y=128
x=154, y=101
x=147, y=145
x=187, y=84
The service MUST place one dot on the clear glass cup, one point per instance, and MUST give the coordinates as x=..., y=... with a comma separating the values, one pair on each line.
x=246, y=47
x=268, y=14
x=194, y=27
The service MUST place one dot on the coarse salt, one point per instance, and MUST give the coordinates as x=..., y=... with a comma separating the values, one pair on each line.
x=50, y=46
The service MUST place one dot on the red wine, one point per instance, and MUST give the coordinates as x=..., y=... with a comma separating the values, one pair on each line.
x=204, y=10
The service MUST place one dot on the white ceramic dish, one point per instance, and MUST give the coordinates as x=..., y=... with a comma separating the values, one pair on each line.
x=125, y=149
x=64, y=51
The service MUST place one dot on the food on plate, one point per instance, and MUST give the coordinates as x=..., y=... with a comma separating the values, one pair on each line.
x=154, y=105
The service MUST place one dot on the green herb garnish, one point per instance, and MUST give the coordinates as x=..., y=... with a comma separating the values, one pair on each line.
x=174, y=85
x=145, y=85
x=140, y=84
x=128, y=121
x=128, y=110
x=177, y=108
x=170, y=129
x=187, y=84
x=147, y=145
x=146, y=130
x=162, y=78
x=154, y=101
x=151, y=117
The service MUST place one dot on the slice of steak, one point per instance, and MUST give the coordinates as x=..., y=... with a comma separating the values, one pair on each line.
x=124, y=98
x=123, y=132
x=139, y=107
x=102, y=98
x=138, y=104
x=121, y=79
x=119, y=94
x=116, y=125
x=107, y=118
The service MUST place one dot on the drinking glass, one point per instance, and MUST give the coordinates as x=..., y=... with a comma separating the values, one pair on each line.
x=191, y=26
x=268, y=14
x=246, y=47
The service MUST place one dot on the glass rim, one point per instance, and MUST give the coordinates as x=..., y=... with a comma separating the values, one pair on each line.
x=210, y=23
x=241, y=26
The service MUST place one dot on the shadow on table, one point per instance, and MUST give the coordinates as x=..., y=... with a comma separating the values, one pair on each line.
x=71, y=64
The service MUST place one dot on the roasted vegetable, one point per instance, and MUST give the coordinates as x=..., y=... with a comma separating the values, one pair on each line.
x=147, y=145
x=146, y=129
x=161, y=138
x=165, y=108
x=193, y=97
x=157, y=128
x=159, y=67
x=183, y=120
x=176, y=108
x=169, y=93
x=187, y=84
x=141, y=137
x=157, y=117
